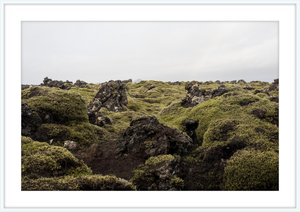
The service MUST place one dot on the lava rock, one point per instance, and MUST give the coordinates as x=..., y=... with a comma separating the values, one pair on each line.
x=147, y=137
x=196, y=95
x=112, y=96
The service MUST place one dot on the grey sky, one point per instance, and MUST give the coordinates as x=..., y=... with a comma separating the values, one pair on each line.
x=165, y=51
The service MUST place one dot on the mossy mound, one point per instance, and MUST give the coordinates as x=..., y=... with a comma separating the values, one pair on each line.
x=55, y=105
x=39, y=159
x=70, y=183
x=252, y=170
x=64, y=116
x=158, y=173
x=84, y=134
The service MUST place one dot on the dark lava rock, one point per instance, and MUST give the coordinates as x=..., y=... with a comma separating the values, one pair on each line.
x=30, y=121
x=55, y=83
x=196, y=95
x=191, y=127
x=81, y=84
x=112, y=96
x=159, y=173
x=219, y=91
x=95, y=117
x=147, y=137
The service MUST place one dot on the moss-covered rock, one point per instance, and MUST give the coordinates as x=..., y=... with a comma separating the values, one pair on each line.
x=42, y=160
x=252, y=170
x=70, y=183
x=158, y=173
x=55, y=105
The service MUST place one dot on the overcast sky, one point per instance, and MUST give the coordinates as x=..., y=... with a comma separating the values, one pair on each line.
x=166, y=51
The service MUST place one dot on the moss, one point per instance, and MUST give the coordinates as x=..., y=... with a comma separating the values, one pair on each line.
x=65, y=107
x=71, y=183
x=42, y=160
x=156, y=160
x=84, y=133
x=148, y=144
x=252, y=170
x=177, y=181
x=86, y=93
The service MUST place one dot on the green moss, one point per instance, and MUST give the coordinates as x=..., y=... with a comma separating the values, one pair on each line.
x=87, y=93
x=41, y=160
x=65, y=106
x=177, y=181
x=71, y=183
x=148, y=144
x=252, y=170
x=84, y=133
x=156, y=160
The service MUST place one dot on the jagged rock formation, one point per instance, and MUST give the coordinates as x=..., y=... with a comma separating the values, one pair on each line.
x=197, y=95
x=112, y=96
x=30, y=121
x=147, y=137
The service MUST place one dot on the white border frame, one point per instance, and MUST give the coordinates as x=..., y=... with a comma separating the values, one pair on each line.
x=117, y=2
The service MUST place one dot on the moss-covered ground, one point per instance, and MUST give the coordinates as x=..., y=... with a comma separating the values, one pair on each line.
x=237, y=136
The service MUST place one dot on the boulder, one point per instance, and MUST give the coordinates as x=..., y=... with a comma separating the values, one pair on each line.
x=147, y=137
x=196, y=95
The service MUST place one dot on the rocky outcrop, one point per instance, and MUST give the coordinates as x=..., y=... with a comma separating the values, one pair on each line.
x=147, y=137
x=197, y=95
x=112, y=96
x=30, y=121
x=81, y=84
x=158, y=173
x=55, y=83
